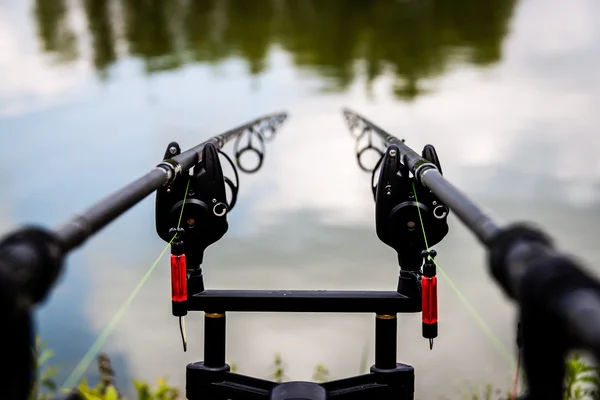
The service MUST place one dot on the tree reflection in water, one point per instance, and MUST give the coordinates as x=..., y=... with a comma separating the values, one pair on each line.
x=412, y=39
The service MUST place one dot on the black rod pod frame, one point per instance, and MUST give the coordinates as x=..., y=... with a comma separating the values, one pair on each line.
x=212, y=377
x=32, y=258
x=559, y=302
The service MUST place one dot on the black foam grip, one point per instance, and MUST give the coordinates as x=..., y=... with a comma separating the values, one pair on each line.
x=30, y=261
x=500, y=247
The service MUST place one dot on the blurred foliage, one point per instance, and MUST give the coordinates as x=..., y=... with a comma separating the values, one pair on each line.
x=106, y=388
x=582, y=381
x=485, y=392
x=144, y=391
x=44, y=385
x=103, y=37
x=415, y=40
x=278, y=369
x=54, y=30
x=321, y=373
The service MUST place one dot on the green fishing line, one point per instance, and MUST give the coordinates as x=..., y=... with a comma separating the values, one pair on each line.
x=94, y=350
x=504, y=352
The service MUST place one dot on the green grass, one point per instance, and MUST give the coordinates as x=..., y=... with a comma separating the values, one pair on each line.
x=582, y=381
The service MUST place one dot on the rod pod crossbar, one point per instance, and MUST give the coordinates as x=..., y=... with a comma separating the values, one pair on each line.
x=212, y=378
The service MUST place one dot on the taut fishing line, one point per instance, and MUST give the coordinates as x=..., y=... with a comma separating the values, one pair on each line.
x=96, y=347
x=504, y=352
x=489, y=333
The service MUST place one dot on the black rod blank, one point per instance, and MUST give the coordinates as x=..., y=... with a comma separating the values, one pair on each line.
x=473, y=216
x=76, y=231
x=480, y=223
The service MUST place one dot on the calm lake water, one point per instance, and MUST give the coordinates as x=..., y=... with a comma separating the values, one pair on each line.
x=92, y=91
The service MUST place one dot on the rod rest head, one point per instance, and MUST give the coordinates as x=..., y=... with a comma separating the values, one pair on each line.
x=298, y=391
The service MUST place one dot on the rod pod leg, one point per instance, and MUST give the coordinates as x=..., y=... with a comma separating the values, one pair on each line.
x=386, y=328
x=400, y=378
x=214, y=339
x=214, y=359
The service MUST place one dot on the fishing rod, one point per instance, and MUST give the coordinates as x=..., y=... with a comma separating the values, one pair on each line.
x=559, y=302
x=32, y=257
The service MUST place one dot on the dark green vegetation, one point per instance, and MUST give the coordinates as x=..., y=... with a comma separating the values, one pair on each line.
x=582, y=381
x=414, y=40
x=106, y=389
